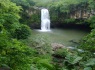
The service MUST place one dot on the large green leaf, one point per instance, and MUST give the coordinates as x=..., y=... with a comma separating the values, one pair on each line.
x=90, y=62
x=88, y=68
x=73, y=59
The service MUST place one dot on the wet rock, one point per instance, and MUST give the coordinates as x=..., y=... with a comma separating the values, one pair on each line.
x=56, y=46
x=75, y=42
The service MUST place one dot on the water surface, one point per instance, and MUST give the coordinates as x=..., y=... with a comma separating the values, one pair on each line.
x=67, y=37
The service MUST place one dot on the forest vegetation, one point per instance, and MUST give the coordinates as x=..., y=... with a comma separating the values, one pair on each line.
x=19, y=17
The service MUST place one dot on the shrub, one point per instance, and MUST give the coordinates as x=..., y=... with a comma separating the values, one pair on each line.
x=88, y=43
x=92, y=22
x=14, y=54
x=42, y=64
x=69, y=20
x=22, y=32
x=42, y=44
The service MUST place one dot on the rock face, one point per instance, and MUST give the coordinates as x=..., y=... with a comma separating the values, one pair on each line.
x=82, y=13
x=56, y=46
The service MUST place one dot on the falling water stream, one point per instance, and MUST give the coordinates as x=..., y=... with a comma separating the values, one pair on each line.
x=45, y=20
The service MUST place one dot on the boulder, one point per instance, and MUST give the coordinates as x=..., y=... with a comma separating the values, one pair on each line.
x=56, y=46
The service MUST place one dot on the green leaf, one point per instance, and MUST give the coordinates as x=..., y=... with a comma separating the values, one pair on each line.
x=73, y=59
x=88, y=68
x=76, y=60
x=91, y=62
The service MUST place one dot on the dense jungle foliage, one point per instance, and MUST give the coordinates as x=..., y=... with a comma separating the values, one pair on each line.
x=15, y=50
x=61, y=11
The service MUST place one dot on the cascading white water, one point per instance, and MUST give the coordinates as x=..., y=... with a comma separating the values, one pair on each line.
x=45, y=20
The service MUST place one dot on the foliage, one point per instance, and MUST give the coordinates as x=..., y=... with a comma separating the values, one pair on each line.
x=22, y=32
x=69, y=20
x=68, y=59
x=24, y=2
x=88, y=42
x=88, y=68
x=17, y=56
x=13, y=54
x=60, y=10
x=9, y=16
x=9, y=13
x=27, y=11
x=63, y=9
x=88, y=45
x=44, y=64
x=92, y=22
x=72, y=60
x=43, y=59
x=62, y=52
x=90, y=62
x=41, y=44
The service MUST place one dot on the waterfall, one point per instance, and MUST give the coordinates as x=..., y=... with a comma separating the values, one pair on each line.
x=45, y=20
